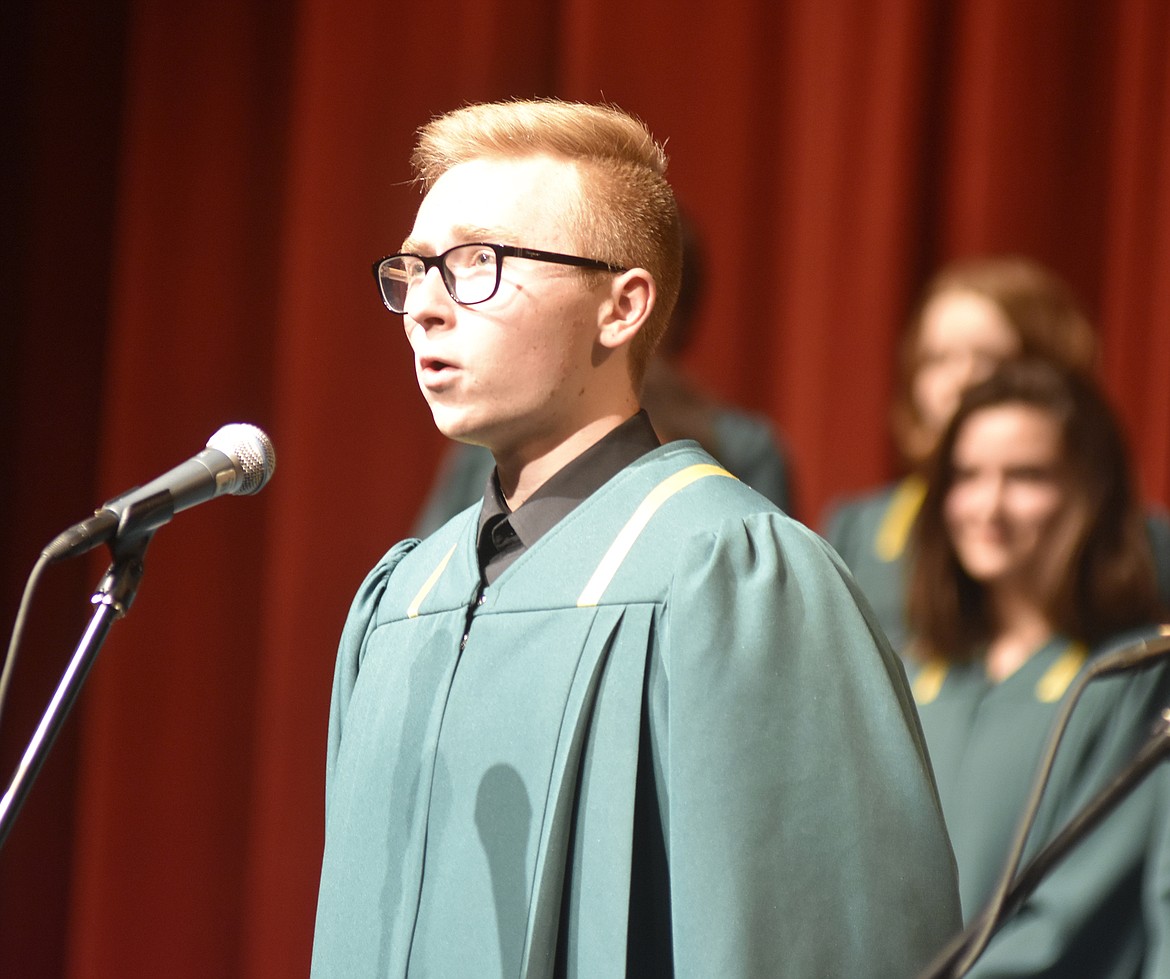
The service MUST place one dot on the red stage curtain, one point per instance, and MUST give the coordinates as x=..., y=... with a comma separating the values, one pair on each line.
x=196, y=194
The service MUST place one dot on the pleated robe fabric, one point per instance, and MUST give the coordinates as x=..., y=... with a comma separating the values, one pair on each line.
x=484, y=754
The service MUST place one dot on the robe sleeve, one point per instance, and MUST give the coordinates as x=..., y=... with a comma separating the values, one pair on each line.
x=803, y=831
x=1090, y=904
x=1156, y=895
x=358, y=626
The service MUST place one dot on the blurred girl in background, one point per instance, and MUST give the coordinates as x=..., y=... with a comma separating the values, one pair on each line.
x=1031, y=559
x=974, y=315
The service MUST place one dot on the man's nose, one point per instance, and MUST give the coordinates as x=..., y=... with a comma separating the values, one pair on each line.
x=427, y=299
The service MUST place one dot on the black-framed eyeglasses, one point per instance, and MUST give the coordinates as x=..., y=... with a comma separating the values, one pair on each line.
x=470, y=272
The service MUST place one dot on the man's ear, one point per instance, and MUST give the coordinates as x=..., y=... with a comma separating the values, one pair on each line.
x=631, y=298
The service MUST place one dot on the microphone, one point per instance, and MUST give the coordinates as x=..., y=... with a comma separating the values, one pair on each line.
x=239, y=459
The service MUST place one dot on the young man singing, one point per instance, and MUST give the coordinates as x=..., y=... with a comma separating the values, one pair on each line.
x=624, y=716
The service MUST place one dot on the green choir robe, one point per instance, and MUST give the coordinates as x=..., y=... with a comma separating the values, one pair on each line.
x=670, y=725
x=871, y=534
x=1102, y=912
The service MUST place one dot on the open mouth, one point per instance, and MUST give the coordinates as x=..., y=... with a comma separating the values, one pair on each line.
x=435, y=373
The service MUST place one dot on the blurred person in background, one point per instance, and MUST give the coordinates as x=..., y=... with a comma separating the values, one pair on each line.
x=973, y=315
x=1032, y=559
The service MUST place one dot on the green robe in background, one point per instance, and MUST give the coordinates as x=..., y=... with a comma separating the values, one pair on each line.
x=871, y=534
x=668, y=731
x=1104, y=912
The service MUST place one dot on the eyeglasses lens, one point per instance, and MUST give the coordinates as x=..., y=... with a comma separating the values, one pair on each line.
x=470, y=274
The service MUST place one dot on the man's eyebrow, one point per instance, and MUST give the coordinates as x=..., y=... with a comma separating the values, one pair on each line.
x=460, y=234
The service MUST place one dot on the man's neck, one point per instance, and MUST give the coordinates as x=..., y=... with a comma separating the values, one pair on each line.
x=523, y=472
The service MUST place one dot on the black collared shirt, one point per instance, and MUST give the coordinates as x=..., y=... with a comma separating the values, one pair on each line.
x=506, y=534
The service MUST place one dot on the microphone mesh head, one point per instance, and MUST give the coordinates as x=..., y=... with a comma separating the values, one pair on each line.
x=251, y=450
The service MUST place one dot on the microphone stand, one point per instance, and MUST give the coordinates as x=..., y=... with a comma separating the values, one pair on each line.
x=950, y=963
x=113, y=598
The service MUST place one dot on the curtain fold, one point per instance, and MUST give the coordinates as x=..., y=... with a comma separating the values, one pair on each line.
x=1135, y=287
x=61, y=75
x=167, y=722
x=197, y=197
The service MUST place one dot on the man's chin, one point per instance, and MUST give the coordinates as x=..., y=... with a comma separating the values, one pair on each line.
x=455, y=425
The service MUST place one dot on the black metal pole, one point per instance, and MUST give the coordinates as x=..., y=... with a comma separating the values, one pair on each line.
x=958, y=957
x=54, y=716
x=113, y=598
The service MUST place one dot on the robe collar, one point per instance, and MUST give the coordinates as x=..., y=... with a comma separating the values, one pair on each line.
x=505, y=534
